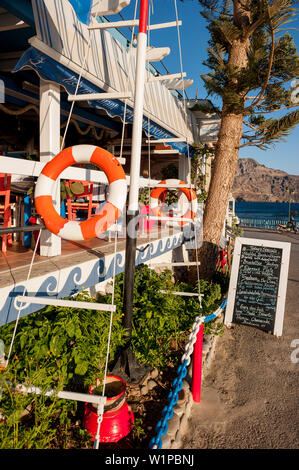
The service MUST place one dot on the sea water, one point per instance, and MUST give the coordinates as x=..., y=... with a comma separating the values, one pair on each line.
x=266, y=214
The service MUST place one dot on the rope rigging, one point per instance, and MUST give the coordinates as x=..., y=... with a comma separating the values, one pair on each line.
x=100, y=409
x=29, y=107
x=188, y=154
x=189, y=183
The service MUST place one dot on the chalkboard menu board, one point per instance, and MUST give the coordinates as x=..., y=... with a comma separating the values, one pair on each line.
x=258, y=284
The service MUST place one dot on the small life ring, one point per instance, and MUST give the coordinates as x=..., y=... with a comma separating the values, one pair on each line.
x=191, y=196
x=90, y=228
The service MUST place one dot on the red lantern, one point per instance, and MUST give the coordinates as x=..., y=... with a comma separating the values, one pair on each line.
x=118, y=417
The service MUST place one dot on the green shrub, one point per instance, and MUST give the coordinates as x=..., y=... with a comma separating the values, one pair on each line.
x=70, y=341
x=161, y=320
x=55, y=348
x=63, y=348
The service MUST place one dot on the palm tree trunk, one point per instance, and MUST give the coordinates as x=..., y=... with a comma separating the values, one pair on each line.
x=224, y=168
x=223, y=172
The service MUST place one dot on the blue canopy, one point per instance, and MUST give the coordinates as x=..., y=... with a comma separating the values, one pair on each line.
x=49, y=69
x=82, y=9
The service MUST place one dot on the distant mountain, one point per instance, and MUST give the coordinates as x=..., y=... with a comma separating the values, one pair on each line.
x=256, y=182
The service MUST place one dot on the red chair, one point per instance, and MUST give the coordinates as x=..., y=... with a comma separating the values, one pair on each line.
x=146, y=225
x=5, y=209
x=73, y=205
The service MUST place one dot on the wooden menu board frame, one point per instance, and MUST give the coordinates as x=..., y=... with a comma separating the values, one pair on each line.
x=282, y=280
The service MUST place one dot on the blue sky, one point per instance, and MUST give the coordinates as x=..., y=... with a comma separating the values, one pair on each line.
x=194, y=37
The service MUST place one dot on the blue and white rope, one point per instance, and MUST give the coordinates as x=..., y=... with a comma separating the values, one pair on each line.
x=168, y=410
x=216, y=314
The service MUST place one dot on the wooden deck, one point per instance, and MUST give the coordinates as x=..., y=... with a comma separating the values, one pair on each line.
x=87, y=264
x=15, y=263
x=18, y=258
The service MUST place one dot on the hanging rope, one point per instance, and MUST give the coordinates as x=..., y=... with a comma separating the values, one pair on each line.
x=148, y=131
x=78, y=82
x=36, y=245
x=188, y=152
x=20, y=308
x=127, y=82
x=127, y=89
x=67, y=124
x=100, y=409
x=35, y=108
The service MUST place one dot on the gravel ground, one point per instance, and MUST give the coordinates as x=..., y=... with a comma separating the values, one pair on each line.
x=250, y=394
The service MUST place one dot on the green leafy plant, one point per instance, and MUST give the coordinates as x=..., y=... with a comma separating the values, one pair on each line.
x=71, y=341
x=138, y=430
x=65, y=349
x=55, y=348
x=160, y=321
x=197, y=177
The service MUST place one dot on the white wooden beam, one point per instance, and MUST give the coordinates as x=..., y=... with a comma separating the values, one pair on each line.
x=74, y=396
x=108, y=7
x=156, y=54
x=10, y=22
x=172, y=186
x=128, y=152
x=100, y=96
x=171, y=24
x=184, y=294
x=20, y=166
x=184, y=169
x=184, y=175
x=160, y=78
x=131, y=23
x=121, y=160
x=187, y=263
x=169, y=219
x=66, y=303
x=165, y=141
x=179, y=84
x=166, y=151
x=114, y=24
x=49, y=130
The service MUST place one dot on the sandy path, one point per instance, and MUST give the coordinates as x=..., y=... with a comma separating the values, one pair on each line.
x=250, y=394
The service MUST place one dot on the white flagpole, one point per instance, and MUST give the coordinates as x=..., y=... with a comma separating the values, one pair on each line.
x=133, y=206
x=138, y=108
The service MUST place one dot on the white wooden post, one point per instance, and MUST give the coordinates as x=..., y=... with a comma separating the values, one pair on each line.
x=184, y=169
x=184, y=175
x=50, y=244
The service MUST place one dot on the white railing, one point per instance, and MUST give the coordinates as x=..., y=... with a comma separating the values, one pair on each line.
x=20, y=166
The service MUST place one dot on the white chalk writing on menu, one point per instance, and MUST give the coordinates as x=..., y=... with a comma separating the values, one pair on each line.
x=257, y=286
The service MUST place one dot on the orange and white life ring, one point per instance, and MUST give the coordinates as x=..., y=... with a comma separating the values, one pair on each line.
x=189, y=193
x=90, y=228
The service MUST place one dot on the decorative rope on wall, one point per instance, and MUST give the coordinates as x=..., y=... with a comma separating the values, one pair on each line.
x=29, y=107
x=90, y=128
x=18, y=112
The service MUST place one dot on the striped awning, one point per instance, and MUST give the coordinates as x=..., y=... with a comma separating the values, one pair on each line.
x=63, y=44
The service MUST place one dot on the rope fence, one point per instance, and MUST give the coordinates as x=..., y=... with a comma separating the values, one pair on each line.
x=168, y=410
